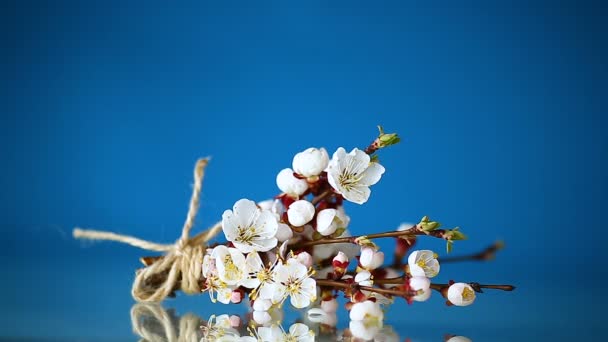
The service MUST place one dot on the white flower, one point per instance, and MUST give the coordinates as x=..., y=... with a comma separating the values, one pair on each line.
x=366, y=319
x=297, y=333
x=459, y=339
x=371, y=259
x=422, y=284
x=423, y=264
x=461, y=294
x=230, y=263
x=258, y=277
x=330, y=220
x=218, y=290
x=219, y=327
x=300, y=213
x=310, y=162
x=249, y=228
x=291, y=185
x=293, y=279
x=352, y=174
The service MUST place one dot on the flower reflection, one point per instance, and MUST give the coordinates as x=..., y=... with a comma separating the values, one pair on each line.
x=153, y=323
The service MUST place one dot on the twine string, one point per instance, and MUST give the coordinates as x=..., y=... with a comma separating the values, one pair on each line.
x=182, y=260
x=154, y=324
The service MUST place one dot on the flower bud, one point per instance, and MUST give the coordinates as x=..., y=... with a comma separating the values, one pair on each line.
x=304, y=258
x=340, y=264
x=291, y=185
x=326, y=222
x=461, y=294
x=300, y=213
x=310, y=162
x=235, y=321
x=236, y=296
x=422, y=286
x=284, y=232
x=370, y=259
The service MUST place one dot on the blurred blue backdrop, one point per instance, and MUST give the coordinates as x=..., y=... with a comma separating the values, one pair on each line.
x=501, y=106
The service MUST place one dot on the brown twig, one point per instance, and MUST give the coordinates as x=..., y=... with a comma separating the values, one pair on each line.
x=438, y=233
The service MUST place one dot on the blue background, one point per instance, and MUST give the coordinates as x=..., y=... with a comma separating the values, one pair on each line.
x=501, y=106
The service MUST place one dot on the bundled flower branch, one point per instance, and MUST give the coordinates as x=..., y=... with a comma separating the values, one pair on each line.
x=297, y=246
x=153, y=323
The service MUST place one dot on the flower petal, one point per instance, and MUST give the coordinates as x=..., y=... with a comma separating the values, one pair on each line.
x=372, y=174
x=246, y=212
x=357, y=194
x=300, y=300
x=266, y=224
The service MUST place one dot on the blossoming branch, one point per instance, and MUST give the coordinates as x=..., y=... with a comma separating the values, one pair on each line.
x=297, y=247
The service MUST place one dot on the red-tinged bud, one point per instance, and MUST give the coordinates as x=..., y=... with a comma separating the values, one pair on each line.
x=287, y=200
x=358, y=297
x=340, y=264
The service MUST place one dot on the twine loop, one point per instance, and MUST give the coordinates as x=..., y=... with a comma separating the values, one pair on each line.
x=181, y=266
x=154, y=324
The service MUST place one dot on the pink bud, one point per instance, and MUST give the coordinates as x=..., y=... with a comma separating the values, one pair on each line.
x=236, y=296
x=235, y=321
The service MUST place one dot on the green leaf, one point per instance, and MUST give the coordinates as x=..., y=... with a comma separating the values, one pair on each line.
x=386, y=139
x=427, y=225
x=457, y=235
x=449, y=245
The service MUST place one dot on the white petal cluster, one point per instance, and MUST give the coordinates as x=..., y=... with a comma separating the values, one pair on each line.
x=289, y=184
x=221, y=328
x=423, y=285
x=298, y=332
x=352, y=174
x=366, y=319
x=293, y=280
x=310, y=162
x=371, y=259
x=300, y=213
x=330, y=220
x=249, y=228
x=423, y=263
x=461, y=294
x=258, y=277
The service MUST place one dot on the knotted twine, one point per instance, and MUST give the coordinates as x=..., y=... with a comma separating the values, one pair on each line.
x=155, y=324
x=182, y=260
